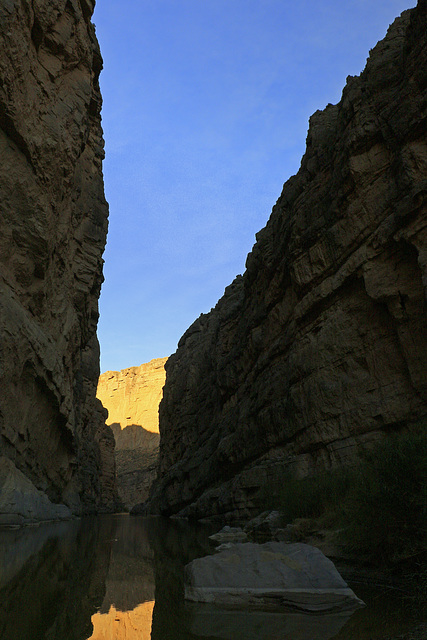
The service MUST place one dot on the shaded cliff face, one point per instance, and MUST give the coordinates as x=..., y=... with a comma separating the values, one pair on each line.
x=132, y=398
x=53, y=225
x=320, y=347
x=137, y=457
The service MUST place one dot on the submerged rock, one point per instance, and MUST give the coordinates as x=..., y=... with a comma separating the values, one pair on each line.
x=265, y=576
x=229, y=534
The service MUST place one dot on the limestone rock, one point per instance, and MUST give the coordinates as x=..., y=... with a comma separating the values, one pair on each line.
x=272, y=574
x=53, y=225
x=21, y=502
x=320, y=347
x=266, y=526
x=132, y=398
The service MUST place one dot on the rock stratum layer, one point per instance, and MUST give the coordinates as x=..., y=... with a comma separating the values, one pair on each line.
x=320, y=347
x=132, y=398
x=53, y=220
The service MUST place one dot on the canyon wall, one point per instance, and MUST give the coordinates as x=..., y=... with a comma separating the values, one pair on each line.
x=132, y=395
x=132, y=398
x=53, y=225
x=319, y=349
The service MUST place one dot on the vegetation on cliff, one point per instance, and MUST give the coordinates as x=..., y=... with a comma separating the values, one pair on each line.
x=380, y=504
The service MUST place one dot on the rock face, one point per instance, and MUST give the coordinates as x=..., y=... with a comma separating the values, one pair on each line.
x=132, y=398
x=21, y=502
x=53, y=225
x=137, y=457
x=320, y=347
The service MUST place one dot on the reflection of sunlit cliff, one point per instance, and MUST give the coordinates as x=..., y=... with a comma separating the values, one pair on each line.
x=53, y=578
x=123, y=625
x=130, y=579
x=127, y=610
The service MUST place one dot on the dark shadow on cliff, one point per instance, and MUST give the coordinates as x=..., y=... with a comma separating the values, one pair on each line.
x=136, y=453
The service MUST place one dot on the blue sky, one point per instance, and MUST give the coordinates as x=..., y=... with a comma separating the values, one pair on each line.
x=205, y=116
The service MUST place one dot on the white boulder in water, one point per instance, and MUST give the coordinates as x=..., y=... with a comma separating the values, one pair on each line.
x=265, y=576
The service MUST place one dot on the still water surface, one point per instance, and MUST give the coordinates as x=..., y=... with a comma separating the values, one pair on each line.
x=121, y=578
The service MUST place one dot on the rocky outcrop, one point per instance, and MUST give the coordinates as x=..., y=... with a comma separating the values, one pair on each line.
x=319, y=348
x=132, y=398
x=21, y=502
x=53, y=225
x=243, y=590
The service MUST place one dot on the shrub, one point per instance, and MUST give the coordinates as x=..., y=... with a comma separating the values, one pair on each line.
x=309, y=497
x=380, y=504
x=386, y=509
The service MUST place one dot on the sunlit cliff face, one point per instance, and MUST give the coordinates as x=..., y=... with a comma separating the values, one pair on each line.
x=123, y=625
x=132, y=395
x=132, y=398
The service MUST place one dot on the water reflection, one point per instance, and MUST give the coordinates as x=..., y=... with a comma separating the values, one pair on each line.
x=124, y=625
x=121, y=578
x=51, y=580
x=127, y=609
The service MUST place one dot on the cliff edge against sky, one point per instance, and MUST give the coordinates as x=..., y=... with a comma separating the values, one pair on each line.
x=53, y=225
x=320, y=348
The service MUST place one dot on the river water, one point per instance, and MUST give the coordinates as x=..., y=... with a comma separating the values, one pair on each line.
x=121, y=578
